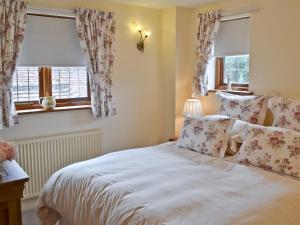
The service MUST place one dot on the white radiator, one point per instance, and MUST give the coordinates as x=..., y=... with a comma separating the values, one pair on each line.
x=41, y=157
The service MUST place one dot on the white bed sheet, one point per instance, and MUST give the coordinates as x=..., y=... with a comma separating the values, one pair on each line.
x=168, y=185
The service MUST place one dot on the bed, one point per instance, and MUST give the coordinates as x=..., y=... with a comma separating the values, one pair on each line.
x=168, y=185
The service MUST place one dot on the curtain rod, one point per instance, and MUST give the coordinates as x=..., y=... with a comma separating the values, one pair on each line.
x=51, y=12
x=237, y=14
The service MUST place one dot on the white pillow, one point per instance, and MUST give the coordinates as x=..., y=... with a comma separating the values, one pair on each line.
x=271, y=148
x=250, y=108
x=286, y=112
x=208, y=135
x=235, y=137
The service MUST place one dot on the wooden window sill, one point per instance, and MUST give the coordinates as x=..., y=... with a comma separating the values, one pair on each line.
x=237, y=92
x=57, y=109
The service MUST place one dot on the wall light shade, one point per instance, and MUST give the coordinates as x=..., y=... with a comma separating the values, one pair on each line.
x=193, y=108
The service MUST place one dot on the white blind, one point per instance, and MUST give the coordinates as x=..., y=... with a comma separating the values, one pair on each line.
x=233, y=38
x=50, y=41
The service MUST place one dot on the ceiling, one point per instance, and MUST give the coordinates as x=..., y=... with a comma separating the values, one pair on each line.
x=160, y=4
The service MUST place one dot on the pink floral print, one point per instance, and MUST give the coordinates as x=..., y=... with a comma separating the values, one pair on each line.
x=283, y=165
x=256, y=132
x=96, y=31
x=253, y=146
x=286, y=112
x=271, y=148
x=208, y=135
x=251, y=109
x=296, y=112
x=233, y=104
x=276, y=139
x=264, y=161
x=208, y=26
x=12, y=28
x=294, y=148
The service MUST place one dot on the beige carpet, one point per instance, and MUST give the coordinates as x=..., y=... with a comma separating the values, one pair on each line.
x=30, y=218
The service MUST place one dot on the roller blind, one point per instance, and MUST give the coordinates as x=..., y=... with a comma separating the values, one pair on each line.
x=233, y=38
x=50, y=41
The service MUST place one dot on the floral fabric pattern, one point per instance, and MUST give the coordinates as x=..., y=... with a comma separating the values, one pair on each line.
x=251, y=109
x=271, y=148
x=286, y=112
x=12, y=28
x=96, y=30
x=208, y=26
x=208, y=135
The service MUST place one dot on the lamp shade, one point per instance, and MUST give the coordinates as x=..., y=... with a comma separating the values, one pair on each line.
x=193, y=108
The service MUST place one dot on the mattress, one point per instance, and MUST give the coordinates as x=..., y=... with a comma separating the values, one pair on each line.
x=167, y=185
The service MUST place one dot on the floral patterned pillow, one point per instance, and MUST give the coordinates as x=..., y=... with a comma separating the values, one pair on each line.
x=208, y=135
x=251, y=109
x=286, y=112
x=271, y=148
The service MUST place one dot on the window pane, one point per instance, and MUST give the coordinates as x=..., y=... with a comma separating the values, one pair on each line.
x=237, y=67
x=69, y=82
x=26, y=84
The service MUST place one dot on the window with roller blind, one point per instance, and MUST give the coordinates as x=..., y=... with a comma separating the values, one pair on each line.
x=231, y=51
x=51, y=63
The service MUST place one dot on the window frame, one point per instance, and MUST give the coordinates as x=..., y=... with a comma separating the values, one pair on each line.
x=45, y=89
x=219, y=77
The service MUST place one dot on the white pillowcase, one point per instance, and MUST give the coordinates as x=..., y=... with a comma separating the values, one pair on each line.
x=250, y=108
x=286, y=112
x=235, y=137
x=208, y=135
x=271, y=148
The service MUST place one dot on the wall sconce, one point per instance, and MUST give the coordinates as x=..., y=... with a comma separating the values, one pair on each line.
x=143, y=36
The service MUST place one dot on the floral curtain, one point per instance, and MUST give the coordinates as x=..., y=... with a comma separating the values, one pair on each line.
x=208, y=26
x=96, y=31
x=12, y=28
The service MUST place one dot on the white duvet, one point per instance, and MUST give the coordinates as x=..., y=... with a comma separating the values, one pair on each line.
x=167, y=185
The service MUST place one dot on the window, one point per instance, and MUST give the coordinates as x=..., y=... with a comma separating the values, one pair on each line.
x=26, y=84
x=69, y=86
x=231, y=50
x=51, y=41
x=69, y=82
x=234, y=67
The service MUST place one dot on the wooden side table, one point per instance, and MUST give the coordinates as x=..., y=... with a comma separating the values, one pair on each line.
x=11, y=192
x=173, y=139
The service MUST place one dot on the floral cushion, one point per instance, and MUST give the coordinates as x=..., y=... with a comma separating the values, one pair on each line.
x=208, y=135
x=271, y=148
x=251, y=109
x=286, y=112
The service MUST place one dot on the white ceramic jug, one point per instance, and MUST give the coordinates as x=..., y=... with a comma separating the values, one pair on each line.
x=48, y=103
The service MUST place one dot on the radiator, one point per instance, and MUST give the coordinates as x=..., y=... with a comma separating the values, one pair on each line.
x=41, y=157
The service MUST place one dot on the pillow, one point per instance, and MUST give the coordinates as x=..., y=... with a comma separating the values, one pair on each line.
x=208, y=135
x=235, y=140
x=251, y=109
x=286, y=112
x=271, y=148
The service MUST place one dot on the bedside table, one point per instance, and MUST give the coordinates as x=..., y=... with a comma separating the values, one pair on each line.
x=173, y=139
x=11, y=192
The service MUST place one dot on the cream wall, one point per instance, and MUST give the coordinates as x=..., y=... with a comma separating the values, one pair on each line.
x=138, y=87
x=177, y=58
x=168, y=53
x=184, y=62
